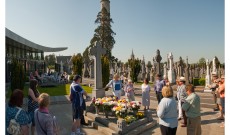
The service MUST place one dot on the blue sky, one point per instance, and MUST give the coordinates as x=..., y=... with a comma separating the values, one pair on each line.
x=192, y=28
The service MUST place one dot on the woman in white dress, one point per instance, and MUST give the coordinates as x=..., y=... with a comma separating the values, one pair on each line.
x=145, y=94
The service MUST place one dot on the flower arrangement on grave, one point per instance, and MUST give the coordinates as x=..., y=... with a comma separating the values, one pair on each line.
x=129, y=119
x=120, y=110
x=135, y=105
x=124, y=100
x=140, y=115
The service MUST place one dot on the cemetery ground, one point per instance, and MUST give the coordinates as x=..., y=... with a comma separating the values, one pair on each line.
x=61, y=108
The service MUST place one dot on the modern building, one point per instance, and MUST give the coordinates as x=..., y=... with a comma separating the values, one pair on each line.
x=30, y=54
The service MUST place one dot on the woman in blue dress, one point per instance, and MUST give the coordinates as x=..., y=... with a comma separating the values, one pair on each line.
x=14, y=106
x=33, y=95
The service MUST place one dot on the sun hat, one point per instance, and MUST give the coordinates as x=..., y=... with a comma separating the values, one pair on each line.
x=182, y=79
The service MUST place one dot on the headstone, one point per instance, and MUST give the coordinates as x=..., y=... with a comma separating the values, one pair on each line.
x=97, y=51
x=158, y=59
x=207, y=78
x=61, y=68
x=143, y=69
x=197, y=72
x=214, y=70
x=171, y=73
x=86, y=71
x=165, y=70
x=181, y=67
x=92, y=69
x=152, y=74
x=187, y=72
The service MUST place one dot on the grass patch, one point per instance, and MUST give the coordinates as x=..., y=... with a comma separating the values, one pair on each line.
x=59, y=90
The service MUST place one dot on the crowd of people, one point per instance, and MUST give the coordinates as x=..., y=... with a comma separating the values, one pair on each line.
x=49, y=76
x=186, y=101
x=218, y=91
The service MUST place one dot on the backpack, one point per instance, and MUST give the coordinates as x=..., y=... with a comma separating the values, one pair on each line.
x=14, y=127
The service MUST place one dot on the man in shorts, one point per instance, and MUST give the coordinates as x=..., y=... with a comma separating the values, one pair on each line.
x=76, y=98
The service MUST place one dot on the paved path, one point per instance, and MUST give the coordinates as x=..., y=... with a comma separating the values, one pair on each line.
x=61, y=108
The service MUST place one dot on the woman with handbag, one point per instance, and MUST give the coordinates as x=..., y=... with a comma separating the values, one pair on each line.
x=14, y=111
x=44, y=121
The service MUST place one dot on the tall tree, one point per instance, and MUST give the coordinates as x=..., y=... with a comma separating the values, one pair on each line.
x=202, y=62
x=135, y=65
x=50, y=60
x=77, y=61
x=104, y=34
x=17, y=75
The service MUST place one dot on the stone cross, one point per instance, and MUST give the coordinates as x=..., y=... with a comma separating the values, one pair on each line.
x=171, y=73
x=214, y=70
x=97, y=51
x=207, y=78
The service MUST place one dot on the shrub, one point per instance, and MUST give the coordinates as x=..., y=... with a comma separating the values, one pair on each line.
x=202, y=81
x=71, y=77
x=17, y=75
x=196, y=81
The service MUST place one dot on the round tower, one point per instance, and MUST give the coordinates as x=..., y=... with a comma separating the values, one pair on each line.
x=106, y=5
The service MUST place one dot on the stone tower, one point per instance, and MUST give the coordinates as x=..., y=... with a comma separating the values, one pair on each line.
x=106, y=5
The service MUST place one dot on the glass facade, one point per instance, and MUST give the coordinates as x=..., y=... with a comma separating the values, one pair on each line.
x=30, y=58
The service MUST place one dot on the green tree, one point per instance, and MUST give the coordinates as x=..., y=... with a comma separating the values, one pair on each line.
x=104, y=34
x=77, y=61
x=105, y=70
x=135, y=66
x=202, y=62
x=17, y=75
x=50, y=60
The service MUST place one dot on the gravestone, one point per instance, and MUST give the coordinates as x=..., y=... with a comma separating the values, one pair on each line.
x=158, y=59
x=96, y=51
x=197, y=71
x=92, y=69
x=207, y=78
x=165, y=71
x=61, y=68
x=143, y=69
x=171, y=73
x=181, y=67
x=214, y=70
x=152, y=74
x=187, y=72
x=86, y=71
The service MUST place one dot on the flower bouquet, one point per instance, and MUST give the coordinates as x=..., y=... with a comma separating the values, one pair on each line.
x=140, y=115
x=129, y=119
x=97, y=103
x=120, y=110
x=135, y=106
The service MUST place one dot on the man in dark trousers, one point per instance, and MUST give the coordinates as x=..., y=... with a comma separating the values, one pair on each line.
x=158, y=87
